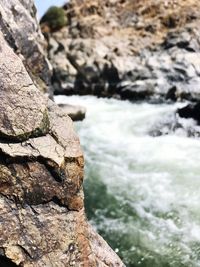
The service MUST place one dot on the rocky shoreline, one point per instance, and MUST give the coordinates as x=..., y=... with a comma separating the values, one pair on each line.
x=127, y=50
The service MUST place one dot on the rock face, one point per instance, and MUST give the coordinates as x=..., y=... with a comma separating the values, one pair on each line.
x=23, y=111
x=128, y=49
x=22, y=32
x=76, y=113
x=42, y=219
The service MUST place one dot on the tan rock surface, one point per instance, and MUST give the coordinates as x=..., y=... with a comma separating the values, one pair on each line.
x=19, y=25
x=42, y=218
x=23, y=111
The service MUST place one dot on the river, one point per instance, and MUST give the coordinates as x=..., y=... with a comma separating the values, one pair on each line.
x=142, y=193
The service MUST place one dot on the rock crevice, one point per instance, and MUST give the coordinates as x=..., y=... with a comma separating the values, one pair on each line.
x=42, y=218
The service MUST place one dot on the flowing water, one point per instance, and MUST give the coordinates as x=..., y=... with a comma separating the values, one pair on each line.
x=142, y=193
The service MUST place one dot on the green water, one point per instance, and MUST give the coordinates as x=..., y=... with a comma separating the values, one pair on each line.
x=142, y=193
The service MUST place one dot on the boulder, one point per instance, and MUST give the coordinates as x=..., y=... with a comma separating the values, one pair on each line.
x=19, y=25
x=42, y=217
x=183, y=40
x=190, y=111
x=138, y=90
x=76, y=113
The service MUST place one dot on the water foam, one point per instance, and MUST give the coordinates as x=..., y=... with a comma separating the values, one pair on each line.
x=142, y=192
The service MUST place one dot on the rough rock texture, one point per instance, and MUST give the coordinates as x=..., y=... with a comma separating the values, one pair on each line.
x=23, y=111
x=128, y=49
x=21, y=29
x=42, y=218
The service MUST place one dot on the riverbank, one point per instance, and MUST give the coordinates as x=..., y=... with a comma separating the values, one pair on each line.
x=127, y=50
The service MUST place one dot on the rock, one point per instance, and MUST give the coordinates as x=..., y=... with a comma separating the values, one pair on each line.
x=21, y=29
x=23, y=110
x=183, y=40
x=190, y=111
x=76, y=113
x=42, y=217
x=138, y=90
x=100, y=249
x=106, y=45
x=172, y=94
x=171, y=124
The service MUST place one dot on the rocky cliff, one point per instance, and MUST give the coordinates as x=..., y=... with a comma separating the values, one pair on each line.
x=127, y=49
x=42, y=219
x=21, y=30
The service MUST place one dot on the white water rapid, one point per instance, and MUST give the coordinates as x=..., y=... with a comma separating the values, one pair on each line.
x=142, y=192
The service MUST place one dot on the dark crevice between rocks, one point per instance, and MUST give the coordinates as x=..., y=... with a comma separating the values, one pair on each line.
x=25, y=251
x=58, y=202
x=54, y=199
x=58, y=174
x=7, y=34
x=19, y=204
x=5, y=262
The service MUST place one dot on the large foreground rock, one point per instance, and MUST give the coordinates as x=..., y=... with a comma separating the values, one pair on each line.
x=42, y=217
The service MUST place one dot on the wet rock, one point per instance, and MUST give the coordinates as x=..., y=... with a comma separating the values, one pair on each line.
x=172, y=124
x=138, y=90
x=190, y=111
x=76, y=113
x=172, y=94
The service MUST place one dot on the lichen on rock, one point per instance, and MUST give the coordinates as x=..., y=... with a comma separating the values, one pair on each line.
x=23, y=111
x=42, y=217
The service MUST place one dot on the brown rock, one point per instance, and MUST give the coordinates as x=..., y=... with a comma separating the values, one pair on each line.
x=42, y=218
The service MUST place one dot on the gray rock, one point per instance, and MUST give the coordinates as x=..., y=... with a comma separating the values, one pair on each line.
x=23, y=110
x=21, y=29
x=138, y=90
x=124, y=45
x=42, y=217
x=76, y=113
